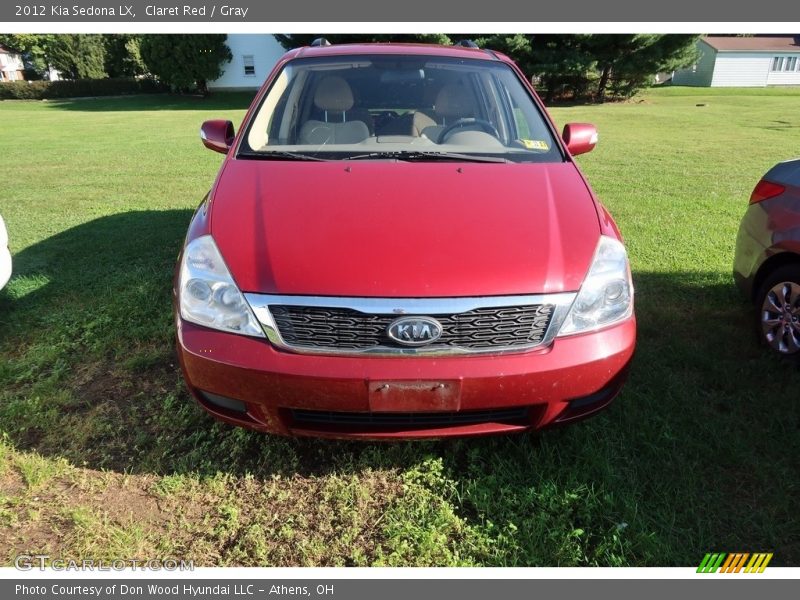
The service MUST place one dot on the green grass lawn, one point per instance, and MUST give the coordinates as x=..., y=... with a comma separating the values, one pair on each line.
x=103, y=454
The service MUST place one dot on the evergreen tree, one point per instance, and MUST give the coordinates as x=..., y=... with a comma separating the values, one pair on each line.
x=78, y=56
x=297, y=40
x=185, y=62
x=577, y=65
x=123, y=58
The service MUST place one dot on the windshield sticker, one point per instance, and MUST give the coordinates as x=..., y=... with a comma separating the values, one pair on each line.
x=536, y=144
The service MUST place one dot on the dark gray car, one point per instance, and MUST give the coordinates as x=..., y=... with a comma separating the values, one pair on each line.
x=767, y=262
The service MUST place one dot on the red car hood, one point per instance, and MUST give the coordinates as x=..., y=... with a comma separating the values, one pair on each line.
x=399, y=229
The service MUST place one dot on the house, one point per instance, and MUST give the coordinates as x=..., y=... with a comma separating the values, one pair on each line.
x=11, y=66
x=734, y=61
x=254, y=55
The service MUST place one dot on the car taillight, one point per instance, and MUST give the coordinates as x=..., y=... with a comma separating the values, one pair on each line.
x=765, y=189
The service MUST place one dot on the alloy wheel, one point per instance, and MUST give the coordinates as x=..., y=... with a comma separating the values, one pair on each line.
x=780, y=317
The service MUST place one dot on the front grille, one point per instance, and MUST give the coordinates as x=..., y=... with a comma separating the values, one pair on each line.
x=481, y=329
x=504, y=416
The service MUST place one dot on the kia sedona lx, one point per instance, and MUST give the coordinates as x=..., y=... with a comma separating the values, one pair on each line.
x=399, y=245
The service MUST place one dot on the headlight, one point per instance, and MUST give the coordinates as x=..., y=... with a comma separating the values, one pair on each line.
x=207, y=293
x=606, y=295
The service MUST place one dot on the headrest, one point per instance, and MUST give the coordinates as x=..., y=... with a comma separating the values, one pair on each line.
x=454, y=100
x=334, y=94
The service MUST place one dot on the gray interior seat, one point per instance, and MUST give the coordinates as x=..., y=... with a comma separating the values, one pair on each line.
x=358, y=114
x=422, y=120
x=334, y=98
x=453, y=102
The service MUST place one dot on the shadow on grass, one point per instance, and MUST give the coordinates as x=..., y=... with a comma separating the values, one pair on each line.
x=221, y=101
x=703, y=439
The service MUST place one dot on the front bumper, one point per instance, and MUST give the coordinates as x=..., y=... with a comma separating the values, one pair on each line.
x=246, y=381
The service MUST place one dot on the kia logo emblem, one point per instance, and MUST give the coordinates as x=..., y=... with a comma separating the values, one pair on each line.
x=414, y=331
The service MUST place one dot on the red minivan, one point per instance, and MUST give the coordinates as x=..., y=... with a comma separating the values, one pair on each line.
x=400, y=245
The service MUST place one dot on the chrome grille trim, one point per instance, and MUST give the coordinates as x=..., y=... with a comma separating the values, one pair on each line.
x=260, y=303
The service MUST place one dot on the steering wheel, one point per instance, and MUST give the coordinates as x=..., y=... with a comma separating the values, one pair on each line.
x=469, y=122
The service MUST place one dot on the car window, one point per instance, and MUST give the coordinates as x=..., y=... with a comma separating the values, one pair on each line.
x=408, y=107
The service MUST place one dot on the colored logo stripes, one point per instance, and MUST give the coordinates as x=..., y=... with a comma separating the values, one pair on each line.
x=735, y=562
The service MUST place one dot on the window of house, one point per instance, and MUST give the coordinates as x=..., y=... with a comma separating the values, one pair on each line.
x=249, y=65
x=790, y=63
x=777, y=63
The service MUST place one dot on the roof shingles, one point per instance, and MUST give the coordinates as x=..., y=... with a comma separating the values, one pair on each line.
x=776, y=43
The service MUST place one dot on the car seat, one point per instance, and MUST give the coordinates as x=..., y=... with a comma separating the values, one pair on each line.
x=333, y=95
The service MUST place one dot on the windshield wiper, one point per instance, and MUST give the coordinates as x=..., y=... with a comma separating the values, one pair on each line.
x=281, y=155
x=404, y=155
x=423, y=155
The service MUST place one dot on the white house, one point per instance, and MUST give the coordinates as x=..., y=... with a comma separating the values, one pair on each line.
x=11, y=66
x=757, y=61
x=254, y=55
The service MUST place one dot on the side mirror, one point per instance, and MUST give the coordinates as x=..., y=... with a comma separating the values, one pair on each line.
x=217, y=135
x=579, y=137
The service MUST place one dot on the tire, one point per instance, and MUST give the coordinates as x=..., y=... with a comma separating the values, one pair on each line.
x=778, y=317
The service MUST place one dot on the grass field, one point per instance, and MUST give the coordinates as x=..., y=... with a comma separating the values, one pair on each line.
x=102, y=453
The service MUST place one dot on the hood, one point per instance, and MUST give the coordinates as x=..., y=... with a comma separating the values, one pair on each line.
x=400, y=229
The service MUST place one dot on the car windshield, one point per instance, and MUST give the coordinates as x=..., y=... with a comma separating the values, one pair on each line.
x=421, y=108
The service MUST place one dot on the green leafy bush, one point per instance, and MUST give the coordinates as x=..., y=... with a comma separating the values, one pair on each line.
x=42, y=90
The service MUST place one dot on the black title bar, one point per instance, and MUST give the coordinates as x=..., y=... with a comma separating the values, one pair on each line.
x=440, y=11
x=729, y=587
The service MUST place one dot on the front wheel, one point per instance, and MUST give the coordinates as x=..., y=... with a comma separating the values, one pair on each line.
x=778, y=301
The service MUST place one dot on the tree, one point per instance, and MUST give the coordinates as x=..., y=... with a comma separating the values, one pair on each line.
x=34, y=48
x=577, y=65
x=560, y=63
x=78, y=56
x=123, y=58
x=574, y=64
x=185, y=62
x=655, y=54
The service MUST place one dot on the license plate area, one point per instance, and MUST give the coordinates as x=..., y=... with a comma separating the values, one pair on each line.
x=415, y=396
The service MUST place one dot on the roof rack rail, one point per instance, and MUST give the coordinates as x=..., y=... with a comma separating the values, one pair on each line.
x=320, y=41
x=466, y=44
